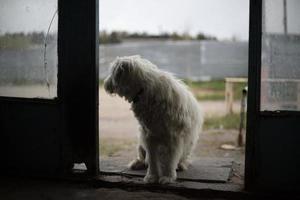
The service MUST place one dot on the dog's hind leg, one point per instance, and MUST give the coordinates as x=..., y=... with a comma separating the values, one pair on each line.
x=140, y=162
x=188, y=147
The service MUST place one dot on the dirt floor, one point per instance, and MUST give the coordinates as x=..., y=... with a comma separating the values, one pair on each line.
x=118, y=131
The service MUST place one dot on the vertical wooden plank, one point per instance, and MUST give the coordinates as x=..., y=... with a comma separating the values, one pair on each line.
x=229, y=97
x=254, y=73
x=78, y=79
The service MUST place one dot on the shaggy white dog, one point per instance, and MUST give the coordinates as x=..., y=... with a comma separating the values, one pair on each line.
x=169, y=116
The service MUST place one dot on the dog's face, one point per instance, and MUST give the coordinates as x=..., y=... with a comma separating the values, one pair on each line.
x=123, y=79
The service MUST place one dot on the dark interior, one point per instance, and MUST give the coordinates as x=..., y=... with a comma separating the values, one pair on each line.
x=44, y=138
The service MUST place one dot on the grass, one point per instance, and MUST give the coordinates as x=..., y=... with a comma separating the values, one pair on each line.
x=210, y=97
x=231, y=121
x=15, y=43
x=111, y=147
x=213, y=90
x=215, y=85
x=22, y=82
x=101, y=82
x=210, y=90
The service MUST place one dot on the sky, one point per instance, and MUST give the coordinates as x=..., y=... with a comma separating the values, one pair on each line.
x=221, y=18
x=27, y=15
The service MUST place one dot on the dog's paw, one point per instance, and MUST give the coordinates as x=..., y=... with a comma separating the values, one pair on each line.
x=166, y=179
x=137, y=165
x=150, y=178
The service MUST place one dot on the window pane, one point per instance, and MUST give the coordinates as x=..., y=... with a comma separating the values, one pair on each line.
x=28, y=48
x=280, y=75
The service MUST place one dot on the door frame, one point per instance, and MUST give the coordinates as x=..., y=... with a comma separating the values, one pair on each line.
x=45, y=137
x=269, y=149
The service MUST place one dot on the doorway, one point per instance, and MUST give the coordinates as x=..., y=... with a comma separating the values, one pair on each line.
x=204, y=59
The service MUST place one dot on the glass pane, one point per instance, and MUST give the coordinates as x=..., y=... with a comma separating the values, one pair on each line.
x=280, y=70
x=28, y=48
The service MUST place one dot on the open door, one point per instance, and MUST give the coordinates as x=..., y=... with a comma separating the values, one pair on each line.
x=273, y=154
x=45, y=137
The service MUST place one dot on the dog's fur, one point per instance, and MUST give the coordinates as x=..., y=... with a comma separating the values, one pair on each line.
x=169, y=116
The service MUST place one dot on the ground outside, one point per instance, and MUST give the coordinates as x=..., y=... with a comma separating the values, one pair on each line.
x=218, y=162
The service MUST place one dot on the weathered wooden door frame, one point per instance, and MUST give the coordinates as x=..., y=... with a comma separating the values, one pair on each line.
x=45, y=137
x=272, y=161
x=51, y=135
x=254, y=61
x=79, y=77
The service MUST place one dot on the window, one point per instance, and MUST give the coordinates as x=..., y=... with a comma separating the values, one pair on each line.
x=28, y=48
x=280, y=70
x=45, y=137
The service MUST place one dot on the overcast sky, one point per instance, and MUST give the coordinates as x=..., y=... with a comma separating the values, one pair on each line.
x=221, y=18
x=27, y=15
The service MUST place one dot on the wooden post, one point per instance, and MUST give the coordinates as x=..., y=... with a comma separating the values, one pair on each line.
x=229, y=97
x=229, y=92
x=240, y=139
